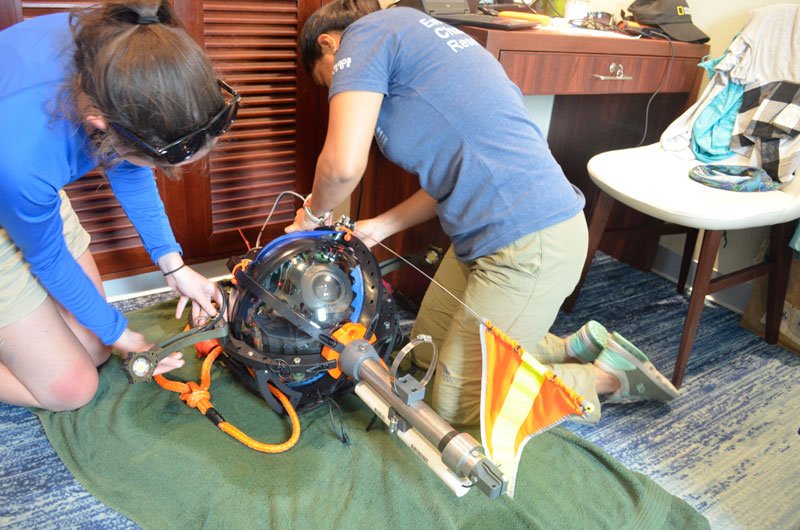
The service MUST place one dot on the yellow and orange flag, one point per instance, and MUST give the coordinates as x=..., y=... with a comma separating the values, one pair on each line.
x=520, y=398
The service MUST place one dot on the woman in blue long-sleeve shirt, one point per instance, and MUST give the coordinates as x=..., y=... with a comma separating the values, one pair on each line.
x=121, y=86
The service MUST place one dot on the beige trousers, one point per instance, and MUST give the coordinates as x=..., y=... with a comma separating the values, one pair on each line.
x=520, y=288
x=20, y=291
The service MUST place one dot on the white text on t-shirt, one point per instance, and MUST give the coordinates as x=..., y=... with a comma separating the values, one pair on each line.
x=443, y=31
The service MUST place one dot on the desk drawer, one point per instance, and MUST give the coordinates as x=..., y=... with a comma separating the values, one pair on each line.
x=567, y=73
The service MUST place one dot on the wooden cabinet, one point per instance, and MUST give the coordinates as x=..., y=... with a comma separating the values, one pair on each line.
x=544, y=61
x=270, y=149
x=542, y=73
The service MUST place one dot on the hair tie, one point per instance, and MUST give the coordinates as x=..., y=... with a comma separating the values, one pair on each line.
x=173, y=271
x=147, y=20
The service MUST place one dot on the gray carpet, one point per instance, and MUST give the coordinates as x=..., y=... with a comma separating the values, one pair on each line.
x=729, y=445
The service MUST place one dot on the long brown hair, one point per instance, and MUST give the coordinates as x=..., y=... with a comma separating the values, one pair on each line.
x=140, y=69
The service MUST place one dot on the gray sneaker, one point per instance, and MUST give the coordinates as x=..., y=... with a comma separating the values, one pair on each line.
x=587, y=343
x=639, y=379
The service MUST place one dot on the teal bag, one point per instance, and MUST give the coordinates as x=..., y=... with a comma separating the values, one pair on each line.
x=713, y=129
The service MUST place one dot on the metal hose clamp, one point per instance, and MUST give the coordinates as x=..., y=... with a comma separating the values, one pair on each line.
x=413, y=343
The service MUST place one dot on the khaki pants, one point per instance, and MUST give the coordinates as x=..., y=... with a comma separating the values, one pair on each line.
x=20, y=291
x=520, y=288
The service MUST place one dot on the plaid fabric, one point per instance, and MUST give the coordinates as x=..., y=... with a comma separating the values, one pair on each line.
x=768, y=128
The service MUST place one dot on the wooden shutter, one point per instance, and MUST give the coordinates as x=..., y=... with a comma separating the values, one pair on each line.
x=253, y=44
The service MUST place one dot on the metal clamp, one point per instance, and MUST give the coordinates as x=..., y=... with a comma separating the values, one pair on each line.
x=413, y=343
x=319, y=221
x=617, y=74
x=139, y=366
x=345, y=222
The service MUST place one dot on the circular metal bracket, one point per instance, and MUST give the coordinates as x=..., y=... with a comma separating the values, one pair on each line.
x=413, y=343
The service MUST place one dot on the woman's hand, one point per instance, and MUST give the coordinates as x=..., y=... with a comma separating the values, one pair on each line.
x=372, y=231
x=131, y=342
x=173, y=361
x=301, y=223
x=197, y=288
x=416, y=209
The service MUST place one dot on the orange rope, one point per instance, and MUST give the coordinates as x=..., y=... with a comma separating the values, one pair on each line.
x=199, y=397
x=242, y=265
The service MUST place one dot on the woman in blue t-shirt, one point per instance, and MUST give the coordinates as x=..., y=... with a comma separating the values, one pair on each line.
x=516, y=223
x=119, y=86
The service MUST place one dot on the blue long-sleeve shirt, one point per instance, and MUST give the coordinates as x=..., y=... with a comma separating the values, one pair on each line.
x=40, y=153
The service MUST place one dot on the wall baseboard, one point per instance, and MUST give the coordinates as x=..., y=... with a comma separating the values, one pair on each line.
x=153, y=282
x=668, y=264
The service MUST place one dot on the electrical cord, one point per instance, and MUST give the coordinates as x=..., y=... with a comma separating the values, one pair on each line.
x=359, y=199
x=275, y=205
x=664, y=81
x=340, y=431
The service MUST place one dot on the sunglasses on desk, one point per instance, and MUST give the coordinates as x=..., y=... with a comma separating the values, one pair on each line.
x=189, y=145
x=599, y=20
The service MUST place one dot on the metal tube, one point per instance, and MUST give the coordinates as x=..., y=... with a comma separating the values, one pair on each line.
x=429, y=424
x=458, y=451
x=419, y=445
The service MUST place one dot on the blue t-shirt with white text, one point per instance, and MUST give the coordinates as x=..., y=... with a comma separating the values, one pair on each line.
x=451, y=115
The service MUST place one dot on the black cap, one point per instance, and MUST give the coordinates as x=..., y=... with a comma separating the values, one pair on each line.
x=673, y=17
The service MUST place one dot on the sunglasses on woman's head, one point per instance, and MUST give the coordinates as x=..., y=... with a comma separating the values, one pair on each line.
x=189, y=145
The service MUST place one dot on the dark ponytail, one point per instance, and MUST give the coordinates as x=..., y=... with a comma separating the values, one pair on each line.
x=333, y=17
x=141, y=70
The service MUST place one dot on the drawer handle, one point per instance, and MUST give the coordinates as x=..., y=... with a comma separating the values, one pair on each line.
x=617, y=74
x=613, y=77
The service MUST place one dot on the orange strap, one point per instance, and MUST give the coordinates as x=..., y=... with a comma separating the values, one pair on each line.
x=242, y=265
x=198, y=396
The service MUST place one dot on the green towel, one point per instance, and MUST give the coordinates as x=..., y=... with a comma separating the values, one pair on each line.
x=143, y=452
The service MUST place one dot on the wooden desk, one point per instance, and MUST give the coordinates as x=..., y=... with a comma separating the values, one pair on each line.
x=547, y=62
x=602, y=86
